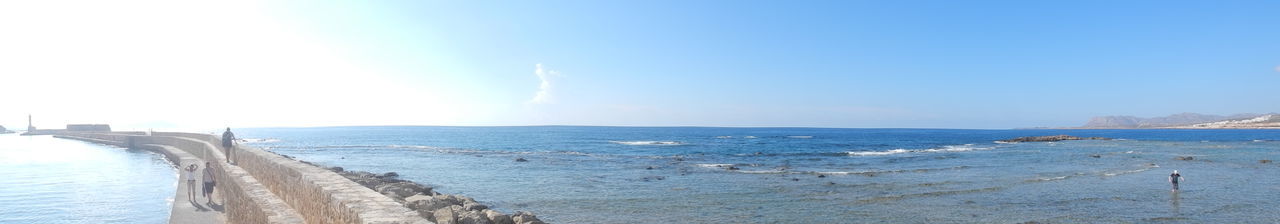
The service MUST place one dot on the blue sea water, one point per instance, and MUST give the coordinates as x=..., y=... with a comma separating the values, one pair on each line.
x=816, y=175
x=49, y=180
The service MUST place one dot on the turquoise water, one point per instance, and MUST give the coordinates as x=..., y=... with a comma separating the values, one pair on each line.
x=807, y=175
x=49, y=180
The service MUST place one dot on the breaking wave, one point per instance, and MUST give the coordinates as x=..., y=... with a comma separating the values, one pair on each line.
x=258, y=140
x=949, y=148
x=648, y=142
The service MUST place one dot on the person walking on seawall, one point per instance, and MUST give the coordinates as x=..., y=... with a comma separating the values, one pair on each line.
x=1174, y=178
x=209, y=182
x=190, y=172
x=228, y=142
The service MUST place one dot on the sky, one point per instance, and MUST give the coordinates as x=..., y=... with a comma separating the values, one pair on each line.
x=169, y=65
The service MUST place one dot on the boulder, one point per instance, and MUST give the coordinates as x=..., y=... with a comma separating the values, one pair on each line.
x=369, y=182
x=444, y=216
x=390, y=175
x=473, y=217
x=429, y=204
x=497, y=217
x=523, y=217
x=1184, y=158
x=402, y=190
x=363, y=174
x=447, y=199
x=473, y=206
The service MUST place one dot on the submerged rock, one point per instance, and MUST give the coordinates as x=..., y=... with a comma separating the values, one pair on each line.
x=521, y=160
x=1184, y=158
x=1096, y=156
x=1264, y=161
x=1051, y=138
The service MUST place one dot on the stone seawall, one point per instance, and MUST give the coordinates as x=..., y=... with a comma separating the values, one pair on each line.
x=270, y=188
x=246, y=200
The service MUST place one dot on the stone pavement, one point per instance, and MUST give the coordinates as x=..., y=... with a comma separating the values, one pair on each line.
x=196, y=212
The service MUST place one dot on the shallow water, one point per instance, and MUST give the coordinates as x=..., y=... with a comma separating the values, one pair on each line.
x=805, y=175
x=49, y=180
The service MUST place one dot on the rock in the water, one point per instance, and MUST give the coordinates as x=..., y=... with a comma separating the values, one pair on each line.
x=497, y=217
x=1264, y=161
x=390, y=175
x=1051, y=138
x=402, y=190
x=445, y=216
x=429, y=204
x=337, y=169
x=473, y=217
x=362, y=174
x=473, y=206
x=521, y=160
x=1184, y=158
x=369, y=182
x=523, y=217
x=822, y=176
x=1096, y=156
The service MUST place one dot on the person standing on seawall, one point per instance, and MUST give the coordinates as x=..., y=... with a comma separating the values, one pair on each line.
x=228, y=142
x=209, y=182
x=190, y=172
x=1174, y=178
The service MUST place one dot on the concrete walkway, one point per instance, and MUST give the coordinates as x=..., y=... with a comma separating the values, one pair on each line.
x=185, y=210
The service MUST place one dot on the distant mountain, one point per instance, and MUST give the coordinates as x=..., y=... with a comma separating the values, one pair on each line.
x=1176, y=120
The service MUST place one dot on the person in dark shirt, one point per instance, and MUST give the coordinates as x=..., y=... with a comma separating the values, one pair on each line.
x=1174, y=178
x=228, y=140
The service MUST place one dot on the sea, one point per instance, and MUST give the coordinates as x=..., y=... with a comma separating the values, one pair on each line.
x=576, y=174
x=50, y=180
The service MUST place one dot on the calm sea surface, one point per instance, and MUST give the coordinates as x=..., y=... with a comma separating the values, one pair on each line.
x=800, y=175
x=49, y=180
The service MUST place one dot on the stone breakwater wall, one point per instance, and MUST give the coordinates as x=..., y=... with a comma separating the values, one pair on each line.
x=272, y=188
x=246, y=200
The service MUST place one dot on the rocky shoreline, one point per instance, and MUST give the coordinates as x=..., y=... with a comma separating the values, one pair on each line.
x=434, y=206
x=1051, y=138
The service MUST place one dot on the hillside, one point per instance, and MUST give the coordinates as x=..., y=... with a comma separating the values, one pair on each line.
x=1260, y=122
x=1176, y=120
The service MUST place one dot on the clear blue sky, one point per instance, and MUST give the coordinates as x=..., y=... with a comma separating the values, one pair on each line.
x=947, y=64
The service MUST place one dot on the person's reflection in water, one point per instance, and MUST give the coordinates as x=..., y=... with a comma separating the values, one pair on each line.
x=1176, y=204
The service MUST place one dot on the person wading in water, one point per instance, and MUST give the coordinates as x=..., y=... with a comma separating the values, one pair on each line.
x=228, y=142
x=1174, y=178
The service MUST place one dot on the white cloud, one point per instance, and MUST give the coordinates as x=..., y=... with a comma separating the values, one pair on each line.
x=544, y=89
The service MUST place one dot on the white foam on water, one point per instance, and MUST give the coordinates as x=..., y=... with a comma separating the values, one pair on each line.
x=647, y=142
x=715, y=165
x=724, y=136
x=258, y=140
x=949, y=148
x=749, y=136
x=412, y=147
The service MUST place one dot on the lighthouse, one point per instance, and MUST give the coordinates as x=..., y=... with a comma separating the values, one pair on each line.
x=30, y=128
